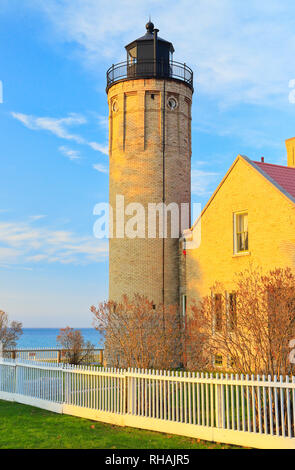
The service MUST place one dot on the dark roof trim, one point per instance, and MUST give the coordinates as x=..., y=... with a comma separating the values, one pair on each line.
x=269, y=178
x=149, y=37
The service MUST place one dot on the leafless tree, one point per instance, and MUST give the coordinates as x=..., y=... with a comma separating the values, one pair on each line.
x=74, y=348
x=251, y=328
x=10, y=332
x=139, y=334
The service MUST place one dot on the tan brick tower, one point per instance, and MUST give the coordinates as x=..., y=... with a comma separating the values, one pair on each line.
x=149, y=99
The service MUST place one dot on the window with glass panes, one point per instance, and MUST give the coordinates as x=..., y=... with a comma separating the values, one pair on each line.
x=241, y=233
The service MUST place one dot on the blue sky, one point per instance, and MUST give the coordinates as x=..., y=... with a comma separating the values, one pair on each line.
x=53, y=120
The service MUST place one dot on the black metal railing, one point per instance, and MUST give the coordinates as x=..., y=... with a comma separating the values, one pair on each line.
x=149, y=69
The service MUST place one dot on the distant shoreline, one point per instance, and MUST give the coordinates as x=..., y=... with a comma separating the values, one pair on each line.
x=56, y=327
x=46, y=337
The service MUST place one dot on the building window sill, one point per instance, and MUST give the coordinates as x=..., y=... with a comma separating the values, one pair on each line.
x=242, y=253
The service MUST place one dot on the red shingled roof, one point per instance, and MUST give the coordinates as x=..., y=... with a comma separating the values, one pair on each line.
x=282, y=175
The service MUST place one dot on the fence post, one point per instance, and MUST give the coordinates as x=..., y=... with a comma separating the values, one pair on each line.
x=58, y=357
x=67, y=386
x=125, y=393
x=15, y=384
x=13, y=355
x=130, y=393
x=218, y=403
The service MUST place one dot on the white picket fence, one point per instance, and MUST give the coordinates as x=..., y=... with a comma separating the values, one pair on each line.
x=55, y=355
x=249, y=411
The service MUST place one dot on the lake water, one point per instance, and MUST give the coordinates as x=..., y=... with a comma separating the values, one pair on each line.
x=46, y=337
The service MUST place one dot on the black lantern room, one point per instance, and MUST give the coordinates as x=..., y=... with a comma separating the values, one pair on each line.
x=149, y=57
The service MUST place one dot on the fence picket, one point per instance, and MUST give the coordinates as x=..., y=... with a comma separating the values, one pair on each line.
x=270, y=408
x=288, y=409
x=282, y=400
x=253, y=405
x=276, y=408
x=212, y=399
x=264, y=406
x=185, y=398
x=259, y=406
x=173, y=398
x=194, y=399
x=181, y=398
x=198, y=400
x=202, y=400
x=232, y=404
x=293, y=404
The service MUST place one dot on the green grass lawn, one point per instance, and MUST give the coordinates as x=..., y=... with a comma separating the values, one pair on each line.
x=25, y=427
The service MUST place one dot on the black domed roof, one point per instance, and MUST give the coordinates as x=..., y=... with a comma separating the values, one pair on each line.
x=149, y=36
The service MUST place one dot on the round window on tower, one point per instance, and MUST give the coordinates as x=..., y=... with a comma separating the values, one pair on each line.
x=172, y=103
x=115, y=106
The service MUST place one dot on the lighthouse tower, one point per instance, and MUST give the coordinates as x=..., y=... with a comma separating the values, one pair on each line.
x=149, y=98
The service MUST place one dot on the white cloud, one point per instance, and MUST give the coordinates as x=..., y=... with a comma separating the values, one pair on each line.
x=37, y=217
x=8, y=255
x=240, y=51
x=103, y=121
x=247, y=134
x=100, y=148
x=21, y=243
x=59, y=127
x=101, y=168
x=69, y=153
x=203, y=182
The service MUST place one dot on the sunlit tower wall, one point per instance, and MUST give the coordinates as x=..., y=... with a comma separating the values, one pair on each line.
x=149, y=98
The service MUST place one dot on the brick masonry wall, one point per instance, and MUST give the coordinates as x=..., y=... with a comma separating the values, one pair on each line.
x=136, y=126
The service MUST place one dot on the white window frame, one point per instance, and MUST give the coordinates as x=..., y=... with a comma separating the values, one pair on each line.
x=235, y=216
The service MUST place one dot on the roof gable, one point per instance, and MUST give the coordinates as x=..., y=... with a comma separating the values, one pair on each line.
x=283, y=176
x=283, y=180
